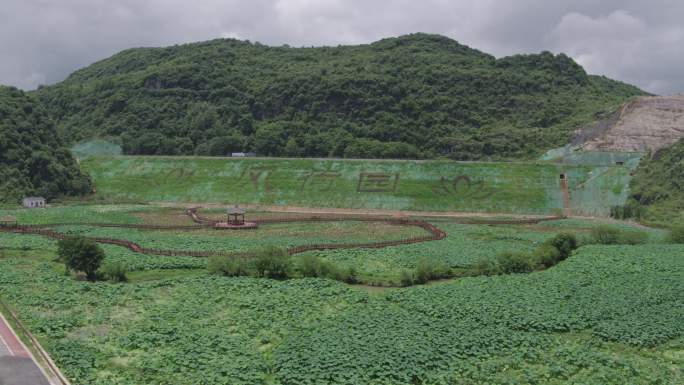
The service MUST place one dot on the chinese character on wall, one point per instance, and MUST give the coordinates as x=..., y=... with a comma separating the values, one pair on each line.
x=319, y=180
x=377, y=182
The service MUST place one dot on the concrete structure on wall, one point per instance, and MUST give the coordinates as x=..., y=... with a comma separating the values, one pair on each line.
x=33, y=202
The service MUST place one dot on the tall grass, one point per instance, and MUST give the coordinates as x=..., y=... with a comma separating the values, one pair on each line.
x=609, y=235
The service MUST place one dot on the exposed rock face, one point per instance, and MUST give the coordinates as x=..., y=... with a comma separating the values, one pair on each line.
x=645, y=124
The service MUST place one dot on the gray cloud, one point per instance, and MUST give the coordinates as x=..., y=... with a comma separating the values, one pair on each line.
x=639, y=42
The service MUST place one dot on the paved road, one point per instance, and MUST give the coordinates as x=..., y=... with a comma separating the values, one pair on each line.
x=16, y=364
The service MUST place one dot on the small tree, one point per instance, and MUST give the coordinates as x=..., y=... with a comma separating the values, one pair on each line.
x=565, y=243
x=81, y=254
x=272, y=262
x=547, y=255
x=310, y=266
x=514, y=263
x=230, y=266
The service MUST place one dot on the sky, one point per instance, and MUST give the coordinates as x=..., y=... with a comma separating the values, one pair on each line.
x=636, y=41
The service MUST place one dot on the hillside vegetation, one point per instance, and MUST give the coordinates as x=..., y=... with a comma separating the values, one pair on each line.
x=657, y=188
x=416, y=96
x=32, y=158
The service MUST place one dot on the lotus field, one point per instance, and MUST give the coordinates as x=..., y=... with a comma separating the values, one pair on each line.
x=608, y=314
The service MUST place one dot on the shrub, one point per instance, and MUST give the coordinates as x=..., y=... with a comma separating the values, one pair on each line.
x=423, y=271
x=546, y=255
x=314, y=266
x=514, y=263
x=272, y=262
x=633, y=237
x=607, y=235
x=310, y=266
x=427, y=270
x=347, y=275
x=677, y=234
x=81, y=254
x=485, y=266
x=328, y=270
x=352, y=275
x=564, y=243
x=406, y=278
x=228, y=266
x=115, y=271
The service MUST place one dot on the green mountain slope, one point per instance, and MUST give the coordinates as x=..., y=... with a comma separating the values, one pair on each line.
x=658, y=186
x=413, y=96
x=32, y=158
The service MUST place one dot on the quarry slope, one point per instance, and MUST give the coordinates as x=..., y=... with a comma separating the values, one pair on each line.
x=645, y=124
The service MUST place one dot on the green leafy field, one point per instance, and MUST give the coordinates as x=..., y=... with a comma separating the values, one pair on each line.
x=606, y=314
x=530, y=188
x=465, y=244
x=282, y=235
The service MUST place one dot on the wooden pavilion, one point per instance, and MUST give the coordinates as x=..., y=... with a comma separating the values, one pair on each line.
x=8, y=221
x=236, y=220
x=236, y=216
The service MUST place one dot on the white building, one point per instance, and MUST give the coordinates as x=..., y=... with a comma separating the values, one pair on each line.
x=33, y=202
x=243, y=154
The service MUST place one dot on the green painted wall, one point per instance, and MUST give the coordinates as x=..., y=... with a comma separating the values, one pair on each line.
x=531, y=188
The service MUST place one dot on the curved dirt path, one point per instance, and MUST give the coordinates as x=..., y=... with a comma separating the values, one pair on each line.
x=434, y=234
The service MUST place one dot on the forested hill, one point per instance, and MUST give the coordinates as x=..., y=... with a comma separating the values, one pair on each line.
x=657, y=188
x=413, y=96
x=32, y=158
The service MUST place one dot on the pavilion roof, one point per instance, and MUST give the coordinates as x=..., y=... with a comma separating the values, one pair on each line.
x=235, y=210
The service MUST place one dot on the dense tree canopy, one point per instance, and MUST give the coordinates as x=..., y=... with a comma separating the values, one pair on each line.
x=32, y=158
x=81, y=254
x=413, y=96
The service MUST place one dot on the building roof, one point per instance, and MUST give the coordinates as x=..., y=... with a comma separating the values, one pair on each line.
x=8, y=219
x=34, y=198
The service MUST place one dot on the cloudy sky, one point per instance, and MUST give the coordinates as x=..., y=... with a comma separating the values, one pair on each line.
x=636, y=41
